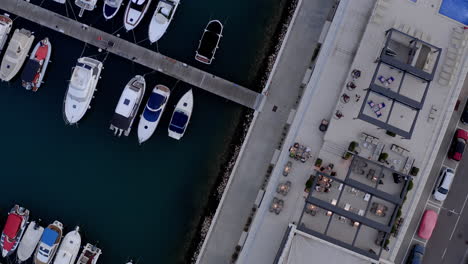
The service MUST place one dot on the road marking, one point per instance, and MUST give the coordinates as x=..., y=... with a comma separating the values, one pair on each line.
x=443, y=254
x=458, y=218
x=434, y=203
x=420, y=241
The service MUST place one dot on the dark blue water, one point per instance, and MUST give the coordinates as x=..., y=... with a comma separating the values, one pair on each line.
x=137, y=201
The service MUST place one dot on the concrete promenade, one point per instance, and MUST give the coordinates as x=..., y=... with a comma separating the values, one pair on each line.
x=131, y=51
x=265, y=134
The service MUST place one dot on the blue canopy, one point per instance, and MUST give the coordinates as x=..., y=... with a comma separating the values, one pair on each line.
x=151, y=116
x=49, y=237
x=178, y=122
x=155, y=101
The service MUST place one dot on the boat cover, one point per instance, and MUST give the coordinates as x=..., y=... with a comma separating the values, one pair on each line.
x=49, y=237
x=12, y=225
x=210, y=39
x=121, y=121
x=151, y=115
x=41, y=53
x=156, y=101
x=178, y=122
x=30, y=71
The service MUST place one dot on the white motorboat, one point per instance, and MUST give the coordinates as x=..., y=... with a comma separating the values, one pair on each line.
x=5, y=27
x=209, y=42
x=29, y=241
x=111, y=7
x=89, y=255
x=81, y=89
x=162, y=18
x=128, y=105
x=13, y=230
x=153, y=111
x=16, y=53
x=85, y=5
x=69, y=248
x=49, y=243
x=181, y=116
x=36, y=66
x=136, y=10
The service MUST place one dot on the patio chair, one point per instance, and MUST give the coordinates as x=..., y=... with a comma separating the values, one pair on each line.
x=378, y=114
x=382, y=79
x=371, y=103
x=390, y=80
x=381, y=105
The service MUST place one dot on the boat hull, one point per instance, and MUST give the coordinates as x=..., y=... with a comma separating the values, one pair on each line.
x=74, y=110
x=41, y=258
x=89, y=255
x=69, y=248
x=124, y=113
x=29, y=242
x=185, y=107
x=157, y=30
x=16, y=53
x=36, y=83
x=147, y=127
x=5, y=27
x=134, y=14
x=109, y=11
x=14, y=229
x=209, y=42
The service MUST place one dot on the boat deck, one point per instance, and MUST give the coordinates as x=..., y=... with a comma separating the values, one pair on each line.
x=138, y=54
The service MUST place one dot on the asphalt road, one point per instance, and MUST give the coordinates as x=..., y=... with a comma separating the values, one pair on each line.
x=449, y=241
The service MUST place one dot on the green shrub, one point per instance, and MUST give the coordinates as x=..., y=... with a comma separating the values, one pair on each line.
x=398, y=214
x=352, y=146
x=383, y=156
x=309, y=183
x=390, y=133
x=347, y=155
x=410, y=185
x=386, y=243
x=414, y=171
x=318, y=162
x=394, y=228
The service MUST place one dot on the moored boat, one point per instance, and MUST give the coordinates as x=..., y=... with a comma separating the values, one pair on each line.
x=35, y=68
x=6, y=23
x=153, y=111
x=85, y=5
x=14, y=229
x=49, y=243
x=89, y=255
x=16, y=53
x=136, y=10
x=110, y=8
x=81, y=89
x=161, y=19
x=29, y=241
x=209, y=42
x=68, y=250
x=181, y=116
x=128, y=105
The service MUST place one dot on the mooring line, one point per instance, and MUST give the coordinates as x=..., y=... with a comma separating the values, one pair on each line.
x=142, y=41
x=117, y=30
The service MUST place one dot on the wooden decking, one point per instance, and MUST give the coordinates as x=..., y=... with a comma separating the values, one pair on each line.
x=131, y=51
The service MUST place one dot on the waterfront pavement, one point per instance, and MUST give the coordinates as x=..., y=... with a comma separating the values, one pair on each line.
x=131, y=51
x=266, y=132
x=449, y=242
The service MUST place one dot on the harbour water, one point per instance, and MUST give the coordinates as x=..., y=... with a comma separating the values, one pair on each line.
x=139, y=202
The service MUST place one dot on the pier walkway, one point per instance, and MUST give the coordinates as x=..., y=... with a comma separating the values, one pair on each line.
x=131, y=51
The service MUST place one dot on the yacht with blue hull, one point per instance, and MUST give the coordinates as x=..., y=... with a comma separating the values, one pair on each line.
x=153, y=111
x=111, y=7
x=128, y=105
x=181, y=116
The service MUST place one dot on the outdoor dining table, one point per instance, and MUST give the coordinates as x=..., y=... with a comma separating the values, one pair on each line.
x=283, y=188
x=380, y=209
x=276, y=205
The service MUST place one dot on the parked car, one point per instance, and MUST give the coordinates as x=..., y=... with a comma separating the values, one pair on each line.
x=464, y=117
x=416, y=255
x=443, y=184
x=287, y=168
x=458, y=145
x=428, y=222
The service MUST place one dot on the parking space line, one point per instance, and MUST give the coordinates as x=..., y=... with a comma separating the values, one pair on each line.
x=420, y=241
x=443, y=254
x=458, y=217
x=430, y=202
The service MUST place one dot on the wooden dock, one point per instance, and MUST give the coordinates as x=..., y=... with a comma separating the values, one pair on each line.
x=133, y=52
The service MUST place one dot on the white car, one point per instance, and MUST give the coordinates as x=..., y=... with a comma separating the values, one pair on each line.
x=443, y=184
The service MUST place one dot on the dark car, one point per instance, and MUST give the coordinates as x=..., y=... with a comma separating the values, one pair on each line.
x=458, y=145
x=416, y=255
x=464, y=117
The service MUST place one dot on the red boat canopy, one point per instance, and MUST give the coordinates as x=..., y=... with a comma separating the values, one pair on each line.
x=12, y=225
x=41, y=53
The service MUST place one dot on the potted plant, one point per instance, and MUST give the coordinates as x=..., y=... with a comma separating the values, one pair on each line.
x=352, y=146
x=390, y=133
x=318, y=163
x=347, y=155
x=414, y=171
x=410, y=186
x=383, y=157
